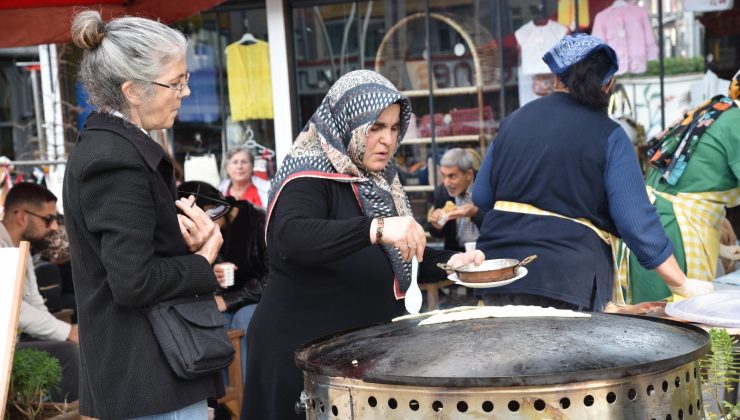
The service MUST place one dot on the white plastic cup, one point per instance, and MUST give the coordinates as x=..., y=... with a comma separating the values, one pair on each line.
x=229, y=274
x=442, y=219
x=469, y=246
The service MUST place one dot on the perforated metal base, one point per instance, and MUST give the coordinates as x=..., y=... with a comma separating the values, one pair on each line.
x=670, y=395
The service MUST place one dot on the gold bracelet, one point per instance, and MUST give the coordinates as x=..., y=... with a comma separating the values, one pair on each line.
x=379, y=230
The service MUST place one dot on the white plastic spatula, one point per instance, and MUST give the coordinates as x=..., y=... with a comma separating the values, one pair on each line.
x=413, y=294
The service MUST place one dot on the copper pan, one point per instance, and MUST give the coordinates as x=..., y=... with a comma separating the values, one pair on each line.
x=489, y=270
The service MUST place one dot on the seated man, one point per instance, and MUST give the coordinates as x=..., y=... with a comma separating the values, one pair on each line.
x=455, y=217
x=30, y=214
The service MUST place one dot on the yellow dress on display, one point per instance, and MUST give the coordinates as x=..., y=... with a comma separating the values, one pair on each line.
x=249, y=81
x=567, y=14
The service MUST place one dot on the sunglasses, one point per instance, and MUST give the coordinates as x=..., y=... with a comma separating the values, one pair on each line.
x=219, y=207
x=48, y=219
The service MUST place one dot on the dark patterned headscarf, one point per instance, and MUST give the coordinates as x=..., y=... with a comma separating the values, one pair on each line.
x=332, y=146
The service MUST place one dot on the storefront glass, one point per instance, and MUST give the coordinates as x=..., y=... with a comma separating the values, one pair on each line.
x=472, y=49
x=231, y=101
x=223, y=110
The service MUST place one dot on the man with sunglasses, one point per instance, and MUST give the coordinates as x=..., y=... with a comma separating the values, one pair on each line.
x=30, y=215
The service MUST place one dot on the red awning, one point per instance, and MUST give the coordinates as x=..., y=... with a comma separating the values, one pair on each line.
x=35, y=22
x=24, y=4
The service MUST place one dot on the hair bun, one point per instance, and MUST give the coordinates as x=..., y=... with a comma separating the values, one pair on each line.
x=88, y=29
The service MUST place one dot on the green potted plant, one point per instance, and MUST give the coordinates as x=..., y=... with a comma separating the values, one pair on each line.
x=643, y=91
x=721, y=370
x=34, y=374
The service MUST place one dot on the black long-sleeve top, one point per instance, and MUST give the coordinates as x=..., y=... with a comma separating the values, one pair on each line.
x=244, y=246
x=325, y=277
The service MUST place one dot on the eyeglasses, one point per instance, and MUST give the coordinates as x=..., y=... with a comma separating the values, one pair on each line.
x=178, y=87
x=48, y=219
x=219, y=209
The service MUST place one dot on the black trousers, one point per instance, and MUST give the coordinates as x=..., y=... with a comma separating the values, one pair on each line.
x=68, y=355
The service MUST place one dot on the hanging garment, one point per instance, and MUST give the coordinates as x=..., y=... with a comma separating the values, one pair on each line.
x=202, y=104
x=708, y=87
x=567, y=14
x=5, y=184
x=525, y=88
x=202, y=168
x=628, y=31
x=535, y=41
x=264, y=165
x=249, y=80
x=55, y=183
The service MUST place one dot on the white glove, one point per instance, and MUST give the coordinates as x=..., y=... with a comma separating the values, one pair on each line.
x=729, y=252
x=693, y=287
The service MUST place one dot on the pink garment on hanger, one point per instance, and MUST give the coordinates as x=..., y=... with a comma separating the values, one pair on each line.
x=627, y=29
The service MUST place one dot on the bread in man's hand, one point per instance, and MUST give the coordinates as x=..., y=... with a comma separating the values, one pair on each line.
x=449, y=207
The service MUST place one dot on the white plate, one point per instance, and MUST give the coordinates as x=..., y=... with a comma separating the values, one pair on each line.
x=520, y=272
x=720, y=308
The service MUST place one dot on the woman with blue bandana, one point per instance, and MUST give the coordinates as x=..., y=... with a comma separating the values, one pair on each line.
x=561, y=180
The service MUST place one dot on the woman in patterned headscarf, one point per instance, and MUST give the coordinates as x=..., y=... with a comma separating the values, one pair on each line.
x=562, y=181
x=340, y=235
x=694, y=176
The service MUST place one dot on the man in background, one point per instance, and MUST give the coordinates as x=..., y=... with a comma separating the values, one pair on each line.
x=455, y=218
x=30, y=215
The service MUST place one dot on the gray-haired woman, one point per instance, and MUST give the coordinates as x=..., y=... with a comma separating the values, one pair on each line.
x=240, y=181
x=129, y=247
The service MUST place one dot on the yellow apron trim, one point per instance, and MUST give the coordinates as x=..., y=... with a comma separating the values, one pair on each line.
x=620, y=264
x=699, y=216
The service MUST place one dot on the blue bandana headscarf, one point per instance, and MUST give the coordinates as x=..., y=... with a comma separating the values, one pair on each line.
x=571, y=49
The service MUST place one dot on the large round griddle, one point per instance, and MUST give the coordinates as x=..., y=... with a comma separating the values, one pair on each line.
x=506, y=351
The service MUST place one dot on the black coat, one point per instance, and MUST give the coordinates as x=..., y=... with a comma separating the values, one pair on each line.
x=127, y=252
x=244, y=245
x=325, y=277
x=449, y=230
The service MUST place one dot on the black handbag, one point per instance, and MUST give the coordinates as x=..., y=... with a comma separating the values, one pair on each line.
x=192, y=335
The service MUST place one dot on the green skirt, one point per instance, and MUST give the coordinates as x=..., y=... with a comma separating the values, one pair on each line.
x=646, y=285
